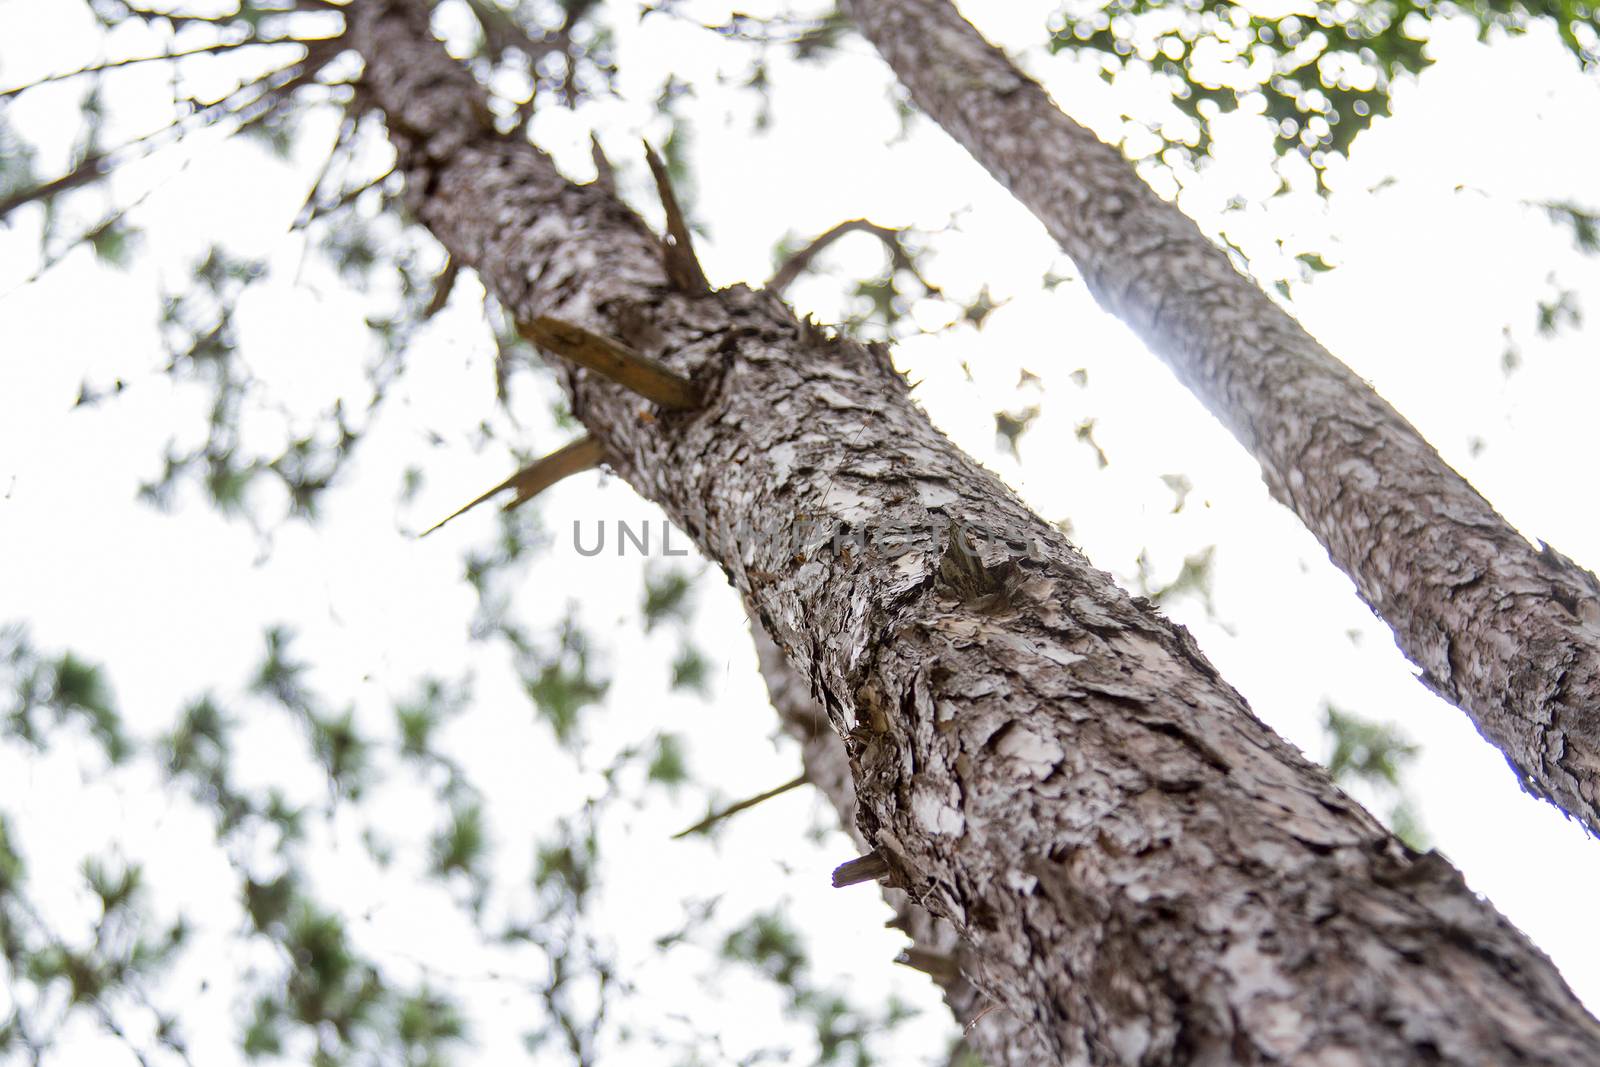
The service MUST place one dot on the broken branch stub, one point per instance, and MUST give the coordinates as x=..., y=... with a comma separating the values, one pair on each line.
x=583, y=454
x=683, y=266
x=868, y=868
x=639, y=373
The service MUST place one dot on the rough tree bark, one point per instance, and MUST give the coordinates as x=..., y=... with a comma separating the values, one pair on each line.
x=1508, y=633
x=1001, y=1038
x=1141, y=869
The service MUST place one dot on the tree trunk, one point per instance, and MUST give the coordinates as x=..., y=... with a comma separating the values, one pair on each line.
x=1509, y=634
x=1141, y=869
x=1001, y=1038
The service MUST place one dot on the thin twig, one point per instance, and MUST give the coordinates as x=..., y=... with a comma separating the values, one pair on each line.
x=308, y=209
x=796, y=265
x=893, y=242
x=350, y=196
x=113, y=64
x=717, y=816
x=443, y=284
x=649, y=378
x=317, y=55
x=502, y=31
x=581, y=455
x=179, y=21
x=49, y=259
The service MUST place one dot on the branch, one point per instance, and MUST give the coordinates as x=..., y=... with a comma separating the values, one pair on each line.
x=91, y=169
x=308, y=210
x=179, y=21
x=318, y=53
x=717, y=816
x=99, y=68
x=868, y=868
x=443, y=284
x=604, y=175
x=796, y=265
x=940, y=967
x=583, y=454
x=344, y=200
x=502, y=32
x=682, y=266
x=649, y=378
x=49, y=259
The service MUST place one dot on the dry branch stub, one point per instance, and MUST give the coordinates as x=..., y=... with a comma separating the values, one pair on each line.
x=614, y=360
x=583, y=454
x=683, y=266
x=868, y=868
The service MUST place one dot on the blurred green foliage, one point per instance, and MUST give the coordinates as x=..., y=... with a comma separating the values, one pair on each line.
x=1321, y=72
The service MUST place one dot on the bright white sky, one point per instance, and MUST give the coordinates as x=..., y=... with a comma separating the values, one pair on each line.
x=1430, y=269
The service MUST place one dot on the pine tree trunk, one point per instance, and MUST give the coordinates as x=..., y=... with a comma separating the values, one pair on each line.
x=1001, y=1038
x=1509, y=634
x=1141, y=869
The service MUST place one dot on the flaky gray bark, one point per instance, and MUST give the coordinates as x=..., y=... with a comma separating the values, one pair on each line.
x=1507, y=632
x=1000, y=1037
x=1140, y=868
